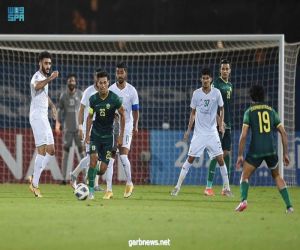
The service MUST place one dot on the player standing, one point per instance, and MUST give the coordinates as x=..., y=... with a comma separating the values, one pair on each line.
x=205, y=103
x=67, y=113
x=103, y=104
x=130, y=100
x=82, y=116
x=222, y=83
x=263, y=121
x=39, y=121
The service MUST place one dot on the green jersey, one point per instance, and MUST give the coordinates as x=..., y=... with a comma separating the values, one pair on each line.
x=226, y=92
x=263, y=121
x=105, y=113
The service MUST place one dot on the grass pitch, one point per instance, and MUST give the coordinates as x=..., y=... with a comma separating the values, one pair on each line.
x=189, y=221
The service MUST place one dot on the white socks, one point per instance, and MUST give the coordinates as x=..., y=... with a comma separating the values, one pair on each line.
x=37, y=169
x=83, y=164
x=46, y=160
x=109, y=174
x=184, y=170
x=224, y=174
x=127, y=168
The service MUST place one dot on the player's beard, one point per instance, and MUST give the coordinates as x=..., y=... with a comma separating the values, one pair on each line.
x=71, y=87
x=121, y=80
x=45, y=71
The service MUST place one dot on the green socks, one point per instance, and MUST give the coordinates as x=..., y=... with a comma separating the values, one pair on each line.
x=244, y=190
x=285, y=196
x=91, y=177
x=211, y=173
x=227, y=162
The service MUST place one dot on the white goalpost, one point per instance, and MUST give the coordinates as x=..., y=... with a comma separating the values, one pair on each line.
x=165, y=70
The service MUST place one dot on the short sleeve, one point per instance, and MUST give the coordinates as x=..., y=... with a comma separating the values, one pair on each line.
x=277, y=121
x=118, y=102
x=220, y=99
x=135, y=97
x=91, y=106
x=193, y=101
x=246, y=119
x=84, y=99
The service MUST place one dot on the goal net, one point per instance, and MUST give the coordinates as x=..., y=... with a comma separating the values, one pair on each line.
x=165, y=71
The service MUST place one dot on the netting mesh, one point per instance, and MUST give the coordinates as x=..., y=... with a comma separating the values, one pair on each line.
x=165, y=73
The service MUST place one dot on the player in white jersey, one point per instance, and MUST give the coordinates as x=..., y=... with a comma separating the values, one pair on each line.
x=39, y=121
x=130, y=102
x=82, y=117
x=205, y=103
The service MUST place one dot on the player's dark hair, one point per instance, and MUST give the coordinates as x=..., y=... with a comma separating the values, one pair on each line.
x=102, y=74
x=71, y=75
x=206, y=71
x=224, y=61
x=122, y=65
x=98, y=70
x=257, y=93
x=44, y=54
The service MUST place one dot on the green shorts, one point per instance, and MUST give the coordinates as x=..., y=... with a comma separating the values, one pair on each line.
x=226, y=140
x=101, y=146
x=271, y=160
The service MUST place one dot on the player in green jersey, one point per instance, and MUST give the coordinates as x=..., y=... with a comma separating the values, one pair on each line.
x=104, y=105
x=222, y=83
x=263, y=121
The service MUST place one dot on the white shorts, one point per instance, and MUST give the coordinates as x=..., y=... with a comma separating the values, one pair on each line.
x=42, y=131
x=210, y=142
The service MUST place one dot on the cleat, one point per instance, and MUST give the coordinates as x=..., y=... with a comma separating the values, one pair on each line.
x=290, y=210
x=91, y=196
x=242, y=206
x=226, y=192
x=98, y=188
x=175, y=191
x=73, y=181
x=108, y=195
x=128, y=191
x=209, y=192
x=36, y=191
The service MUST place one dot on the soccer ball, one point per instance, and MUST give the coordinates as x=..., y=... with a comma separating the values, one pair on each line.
x=82, y=191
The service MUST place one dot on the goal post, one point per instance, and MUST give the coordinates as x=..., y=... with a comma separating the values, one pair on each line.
x=165, y=70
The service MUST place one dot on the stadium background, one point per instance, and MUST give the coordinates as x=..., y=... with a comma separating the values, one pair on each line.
x=153, y=17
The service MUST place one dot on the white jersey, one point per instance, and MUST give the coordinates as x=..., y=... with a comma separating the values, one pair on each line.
x=129, y=98
x=85, y=100
x=206, y=106
x=39, y=98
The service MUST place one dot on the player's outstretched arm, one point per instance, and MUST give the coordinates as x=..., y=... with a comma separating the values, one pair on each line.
x=190, y=125
x=41, y=84
x=284, y=139
x=121, y=111
x=242, y=144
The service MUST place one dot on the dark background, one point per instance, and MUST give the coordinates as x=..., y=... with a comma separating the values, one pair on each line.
x=158, y=17
x=155, y=17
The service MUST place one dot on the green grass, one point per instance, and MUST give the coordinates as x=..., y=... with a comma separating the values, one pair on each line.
x=190, y=220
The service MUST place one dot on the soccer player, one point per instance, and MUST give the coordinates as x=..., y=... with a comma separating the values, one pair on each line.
x=67, y=113
x=263, y=121
x=103, y=104
x=205, y=103
x=82, y=116
x=222, y=83
x=130, y=100
x=38, y=116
